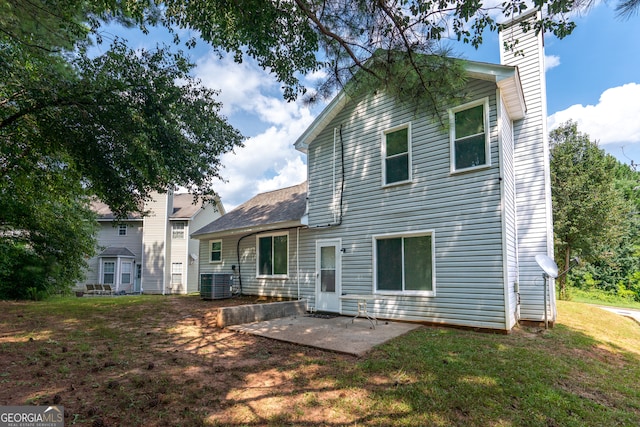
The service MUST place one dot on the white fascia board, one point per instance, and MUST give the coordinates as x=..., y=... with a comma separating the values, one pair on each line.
x=249, y=230
x=219, y=206
x=507, y=78
x=324, y=118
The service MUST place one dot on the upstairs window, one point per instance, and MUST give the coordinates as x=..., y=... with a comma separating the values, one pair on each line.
x=469, y=136
x=396, y=149
x=122, y=229
x=177, y=230
x=273, y=255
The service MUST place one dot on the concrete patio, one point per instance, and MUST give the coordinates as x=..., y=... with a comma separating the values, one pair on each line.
x=337, y=334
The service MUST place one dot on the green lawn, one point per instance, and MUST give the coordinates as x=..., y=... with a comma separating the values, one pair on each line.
x=601, y=298
x=158, y=361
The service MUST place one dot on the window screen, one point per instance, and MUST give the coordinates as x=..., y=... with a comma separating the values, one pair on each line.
x=397, y=156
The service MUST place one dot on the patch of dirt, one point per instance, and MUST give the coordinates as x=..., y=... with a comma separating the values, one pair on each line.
x=162, y=363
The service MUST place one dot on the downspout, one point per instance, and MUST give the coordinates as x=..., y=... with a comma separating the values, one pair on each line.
x=141, y=265
x=339, y=221
x=503, y=215
x=186, y=269
x=298, y=260
x=333, y=186
x=249, y=235
x=164, y=264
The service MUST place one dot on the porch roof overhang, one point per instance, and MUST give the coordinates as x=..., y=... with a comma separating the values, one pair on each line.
x=265, y=228
x=116, y=252
x=272, y=210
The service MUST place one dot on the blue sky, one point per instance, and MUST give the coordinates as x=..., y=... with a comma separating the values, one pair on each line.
x=593, y=78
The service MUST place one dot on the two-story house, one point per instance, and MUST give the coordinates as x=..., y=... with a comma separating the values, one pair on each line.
x=151, y=254
x=443, y=226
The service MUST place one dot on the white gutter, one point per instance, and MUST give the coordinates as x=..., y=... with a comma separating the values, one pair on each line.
x=248, y=230
x=185, y=268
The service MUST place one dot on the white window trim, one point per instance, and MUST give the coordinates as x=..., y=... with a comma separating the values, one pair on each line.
x=114, y=273
x=174, y=228
x=452, y=135
x=211, y=242
x=271, y=276
x=175, y=273
x=123, y=227
x=419, y=233
x=384, y=155
x=122, y=272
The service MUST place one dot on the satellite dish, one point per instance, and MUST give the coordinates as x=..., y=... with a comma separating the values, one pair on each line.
x=548, y=265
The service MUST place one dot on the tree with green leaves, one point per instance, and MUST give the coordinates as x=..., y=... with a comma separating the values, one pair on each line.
x=590, y=214
x=117, y=126
x=296, y=37
x=616, y=270
x=346, y=38
x=46, y=229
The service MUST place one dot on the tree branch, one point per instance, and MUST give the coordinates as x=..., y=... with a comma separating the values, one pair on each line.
x=61, y=102
x=410, y=55
x=22, y=42
x=327, y=32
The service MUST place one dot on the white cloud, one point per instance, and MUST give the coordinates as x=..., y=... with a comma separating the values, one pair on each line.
x=615, y=119
x=268, y=160
x=239, y=84
x=551, y=61
x=316, y=76
x=293, y=172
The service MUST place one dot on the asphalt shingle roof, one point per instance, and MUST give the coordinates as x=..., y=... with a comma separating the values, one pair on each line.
x=183, y=207
x=113, y=251
x=270, y=208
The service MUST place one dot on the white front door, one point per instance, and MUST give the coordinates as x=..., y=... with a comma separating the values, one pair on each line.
x=328, y=275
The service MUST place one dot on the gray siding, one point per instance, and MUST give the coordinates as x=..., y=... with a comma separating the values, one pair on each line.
x=108, y=237
x=463, y=210
x=251, y=284
x=535, y=227
x=207, y=214
x=510, y=227
x=150, y=239
x=179, y=254
x=156, y=267
x=487, y=224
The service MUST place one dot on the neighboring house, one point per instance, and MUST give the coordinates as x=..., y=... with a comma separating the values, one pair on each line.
x=442, y=225
x=151, y=254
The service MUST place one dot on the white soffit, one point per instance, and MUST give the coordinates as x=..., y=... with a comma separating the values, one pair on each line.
x=507, y=79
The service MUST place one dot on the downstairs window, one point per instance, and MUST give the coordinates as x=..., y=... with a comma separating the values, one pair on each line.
x=405, y=263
